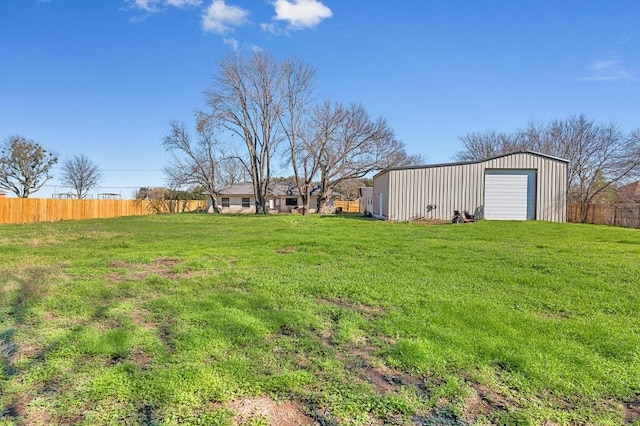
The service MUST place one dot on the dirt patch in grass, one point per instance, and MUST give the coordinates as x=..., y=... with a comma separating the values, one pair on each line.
x=357, y=307
x=141, y=359
x=632, y=410
x=484, y=401
x=139, y=317
x=164, y=267
x=362, y=362
x=165, y=337
x=285, y=250
x=553, y=315
x=22, y=412
x=42, y=241
x=252, y=409
x=18, y=409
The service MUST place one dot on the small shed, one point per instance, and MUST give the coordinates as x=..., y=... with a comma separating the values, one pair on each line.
x=365, y=199
x=523, y=185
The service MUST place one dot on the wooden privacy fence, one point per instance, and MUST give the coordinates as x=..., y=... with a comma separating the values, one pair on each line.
x=626, y=215
x=22, y=210
x=348, y=206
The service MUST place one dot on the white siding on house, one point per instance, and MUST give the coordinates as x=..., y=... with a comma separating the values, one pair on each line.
x=235, y=204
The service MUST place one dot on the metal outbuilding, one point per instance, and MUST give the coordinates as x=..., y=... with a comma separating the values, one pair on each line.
x=523, y=185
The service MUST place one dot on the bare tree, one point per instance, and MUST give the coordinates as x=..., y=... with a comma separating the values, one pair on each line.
x=349, y=189
x=24, y=166
x=81, y=174
x=487, y=144
x=192, y=163
x=348, y=144
x=600, y=156
x=298, y=93
x=246, y=99
x=231, y=170
x=165, y=200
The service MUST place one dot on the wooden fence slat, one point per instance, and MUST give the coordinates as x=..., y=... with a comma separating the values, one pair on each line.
x=25, y=210
x=348, y=206
x=625, y=215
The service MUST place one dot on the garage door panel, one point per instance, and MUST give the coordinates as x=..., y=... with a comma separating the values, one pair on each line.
x=509, y=194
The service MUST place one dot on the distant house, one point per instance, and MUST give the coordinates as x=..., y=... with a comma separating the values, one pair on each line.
x=3, y=194
x=629, y=193
x=282, y=197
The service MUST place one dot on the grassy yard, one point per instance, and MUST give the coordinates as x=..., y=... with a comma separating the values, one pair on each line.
x=205, y=319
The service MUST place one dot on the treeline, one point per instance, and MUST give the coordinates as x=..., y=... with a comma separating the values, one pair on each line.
x=263, y=111
x=25, y=166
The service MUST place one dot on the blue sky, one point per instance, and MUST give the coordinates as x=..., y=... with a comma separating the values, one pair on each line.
x=104, y=77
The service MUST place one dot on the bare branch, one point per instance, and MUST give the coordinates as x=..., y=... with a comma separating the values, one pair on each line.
x=192, y=163
x=81, y=174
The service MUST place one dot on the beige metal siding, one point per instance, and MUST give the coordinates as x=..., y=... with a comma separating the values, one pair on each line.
x=449, y=188
x=381, y=186
x=461, y=187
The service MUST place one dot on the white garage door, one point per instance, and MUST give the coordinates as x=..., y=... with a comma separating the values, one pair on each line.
x=510, y=194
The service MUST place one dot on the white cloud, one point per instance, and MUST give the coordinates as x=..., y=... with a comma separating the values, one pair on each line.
x=272, y=28
x=146, y=5
x=235, y=45
x=152, y=6
x=183, y=3
x=232, y=43
x=220, y=18
x=607, y=70
x=301, y=13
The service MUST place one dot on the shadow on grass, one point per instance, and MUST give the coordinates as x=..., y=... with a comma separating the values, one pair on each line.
x=32, y=286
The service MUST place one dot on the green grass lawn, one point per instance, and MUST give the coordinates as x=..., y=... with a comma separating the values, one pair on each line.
x=207, y=319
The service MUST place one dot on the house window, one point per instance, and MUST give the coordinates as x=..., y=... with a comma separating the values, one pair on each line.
x=246, y=202
x=291, y=202
x=225, y=201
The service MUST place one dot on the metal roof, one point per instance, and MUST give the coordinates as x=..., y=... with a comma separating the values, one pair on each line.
x=459, y=163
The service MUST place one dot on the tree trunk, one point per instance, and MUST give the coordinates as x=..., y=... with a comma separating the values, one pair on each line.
x=214, y=204
x=584, y=211
x=324, y=195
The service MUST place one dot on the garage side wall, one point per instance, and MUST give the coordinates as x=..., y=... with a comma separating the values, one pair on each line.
x=381, y=196
x=448, y=188
x=461, y=187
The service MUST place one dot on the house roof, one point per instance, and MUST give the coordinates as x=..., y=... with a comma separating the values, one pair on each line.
x=426, y=166
x=630, y=192
x=244, y=188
